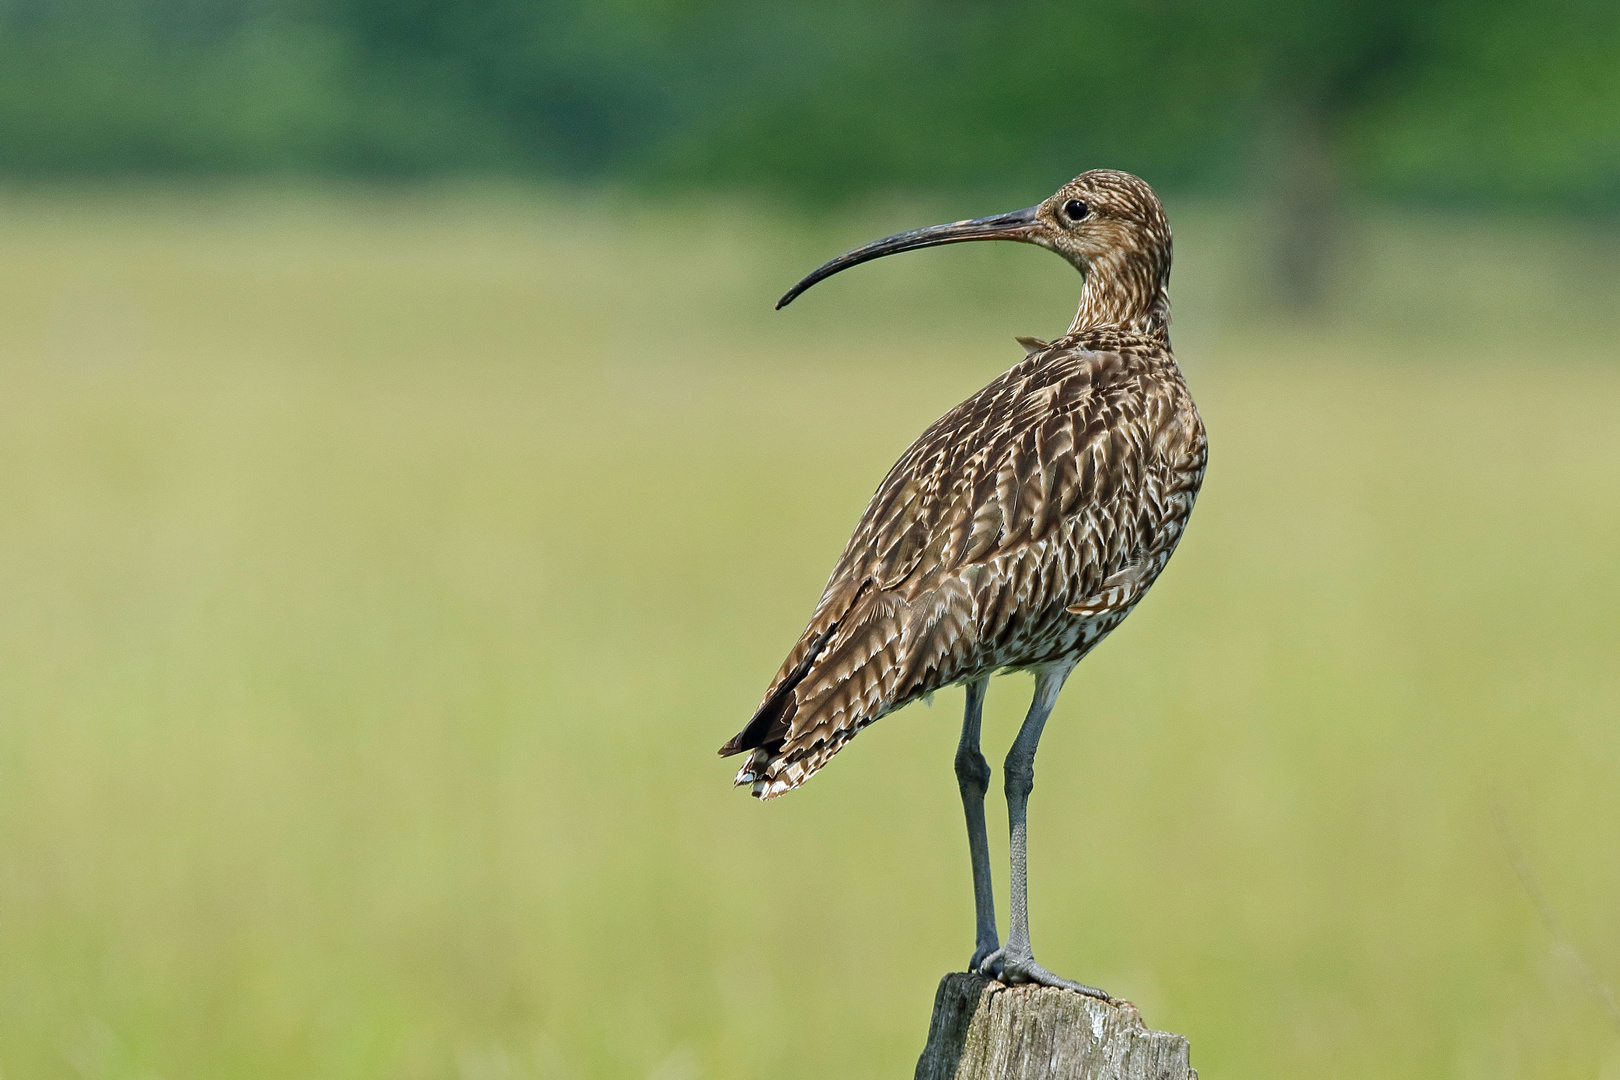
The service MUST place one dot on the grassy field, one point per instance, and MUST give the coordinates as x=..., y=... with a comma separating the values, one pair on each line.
x=378, y=574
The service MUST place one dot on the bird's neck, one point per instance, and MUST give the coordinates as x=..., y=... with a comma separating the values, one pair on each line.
x=1127, y=291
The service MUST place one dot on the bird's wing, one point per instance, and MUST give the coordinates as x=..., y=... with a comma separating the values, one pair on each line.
x=1075, y=438
x=1045, y=488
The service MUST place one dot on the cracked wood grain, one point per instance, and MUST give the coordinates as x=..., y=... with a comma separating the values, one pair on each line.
x=982, y=1030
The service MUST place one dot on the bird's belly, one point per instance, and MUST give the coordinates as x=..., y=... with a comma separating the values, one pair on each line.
x=1060, y=638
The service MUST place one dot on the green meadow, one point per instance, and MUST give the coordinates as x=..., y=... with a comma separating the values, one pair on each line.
x=379, y=572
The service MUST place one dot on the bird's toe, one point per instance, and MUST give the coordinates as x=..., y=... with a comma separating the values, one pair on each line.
x=1016, y=971
x=986, y=961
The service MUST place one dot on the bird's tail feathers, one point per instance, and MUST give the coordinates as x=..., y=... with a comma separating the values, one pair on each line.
x=856, y=672
x=773, y=719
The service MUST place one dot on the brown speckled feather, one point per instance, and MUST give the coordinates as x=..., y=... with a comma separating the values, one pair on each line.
x=1016, y=532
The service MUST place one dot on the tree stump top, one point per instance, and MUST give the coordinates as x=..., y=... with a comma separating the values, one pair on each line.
x=983, y=1030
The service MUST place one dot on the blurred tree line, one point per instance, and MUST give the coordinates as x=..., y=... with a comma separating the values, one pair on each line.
x=1484, y=101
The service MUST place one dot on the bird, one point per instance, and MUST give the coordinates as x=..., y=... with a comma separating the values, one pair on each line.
x=1014, y=534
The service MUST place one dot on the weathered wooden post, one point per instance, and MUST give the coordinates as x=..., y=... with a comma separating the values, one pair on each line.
x=982, y=1030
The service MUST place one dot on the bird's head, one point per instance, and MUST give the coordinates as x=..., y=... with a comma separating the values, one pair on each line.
x=1109, y=225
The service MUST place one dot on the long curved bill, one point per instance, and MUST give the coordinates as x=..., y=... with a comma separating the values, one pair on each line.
x=1018, y=225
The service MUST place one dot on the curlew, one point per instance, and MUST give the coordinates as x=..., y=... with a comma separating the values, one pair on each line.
x=1013, y=535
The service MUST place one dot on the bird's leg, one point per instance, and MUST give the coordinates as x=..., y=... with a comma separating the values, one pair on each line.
x=973, y=777
x=1017, y=958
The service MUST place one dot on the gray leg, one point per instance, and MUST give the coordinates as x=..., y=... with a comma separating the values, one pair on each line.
x=1018, y=959
x=973, y=777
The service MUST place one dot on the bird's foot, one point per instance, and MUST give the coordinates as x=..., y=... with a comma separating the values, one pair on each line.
x=986, y=959
x=1019, y=970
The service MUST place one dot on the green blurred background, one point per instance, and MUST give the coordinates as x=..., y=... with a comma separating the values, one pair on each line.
x=405, y=485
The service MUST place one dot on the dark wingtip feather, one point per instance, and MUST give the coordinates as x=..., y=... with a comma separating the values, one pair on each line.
x=775, y=716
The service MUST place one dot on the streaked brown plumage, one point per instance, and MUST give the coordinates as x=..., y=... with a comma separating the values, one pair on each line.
x=1025, y=524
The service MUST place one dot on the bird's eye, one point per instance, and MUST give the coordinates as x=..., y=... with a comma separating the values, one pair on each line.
x=1075, y=210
